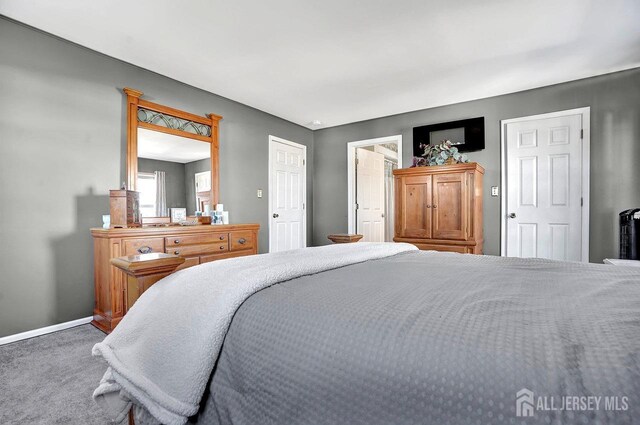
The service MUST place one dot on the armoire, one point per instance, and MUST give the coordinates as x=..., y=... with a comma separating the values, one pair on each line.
x=440, y=207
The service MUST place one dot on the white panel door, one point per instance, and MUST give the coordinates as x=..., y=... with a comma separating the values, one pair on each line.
x=544, y=188
x=370, y=195
x=287, y=224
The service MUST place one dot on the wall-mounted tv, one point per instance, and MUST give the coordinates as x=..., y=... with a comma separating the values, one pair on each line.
x=466, y=135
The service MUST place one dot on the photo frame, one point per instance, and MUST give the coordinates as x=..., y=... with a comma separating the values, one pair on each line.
x=178, y=215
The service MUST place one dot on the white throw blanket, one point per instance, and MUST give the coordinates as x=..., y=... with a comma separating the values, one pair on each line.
x=162, y=353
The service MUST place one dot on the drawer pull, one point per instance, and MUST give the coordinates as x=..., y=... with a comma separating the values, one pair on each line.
x=145, y=249
x=242, y=241
x=221, y=247
x=176, y=252
x=222, y=237
x=177, y=241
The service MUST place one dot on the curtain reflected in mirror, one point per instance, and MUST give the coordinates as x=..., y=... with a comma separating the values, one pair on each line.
x=173, y=172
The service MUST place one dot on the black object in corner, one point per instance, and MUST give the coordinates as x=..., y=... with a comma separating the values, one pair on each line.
x=630, y=234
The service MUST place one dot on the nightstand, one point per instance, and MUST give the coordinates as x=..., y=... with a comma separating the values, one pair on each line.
x=143, y=271
x=344, y=238
x=618, y=262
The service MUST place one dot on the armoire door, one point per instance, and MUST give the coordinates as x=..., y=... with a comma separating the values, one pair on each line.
x=449, y=207
x=414, y=218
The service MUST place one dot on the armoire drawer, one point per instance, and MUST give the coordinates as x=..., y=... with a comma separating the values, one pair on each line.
x=191, y=250
x=195, y=239
x=241, y=241
x=142, y=245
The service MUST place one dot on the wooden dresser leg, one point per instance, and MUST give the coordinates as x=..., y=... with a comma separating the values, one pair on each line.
x=131, y=420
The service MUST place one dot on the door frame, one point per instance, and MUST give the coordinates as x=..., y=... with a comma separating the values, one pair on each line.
x=351, y=172
x=272, y=140
x=585, y=149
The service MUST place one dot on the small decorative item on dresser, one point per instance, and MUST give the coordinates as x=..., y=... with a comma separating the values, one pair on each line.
x=178, y=215
x=217, y=217
x=204, y=219
x=344, y=238
x=124, y=208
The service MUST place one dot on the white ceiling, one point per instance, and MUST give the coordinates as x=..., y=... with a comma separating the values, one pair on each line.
x=167, y=147
x=341, y=61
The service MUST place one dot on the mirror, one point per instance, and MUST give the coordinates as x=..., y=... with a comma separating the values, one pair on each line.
x=173, y=172
x=172, y=160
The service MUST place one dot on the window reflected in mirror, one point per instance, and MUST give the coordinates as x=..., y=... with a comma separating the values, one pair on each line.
x=147, y=190
x=173, y=172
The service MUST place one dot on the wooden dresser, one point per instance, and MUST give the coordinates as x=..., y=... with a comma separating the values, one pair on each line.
x=197, y=244
x=440, y=207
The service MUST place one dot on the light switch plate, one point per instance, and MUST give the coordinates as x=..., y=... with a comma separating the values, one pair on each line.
x=259, y=193
x=494, y=191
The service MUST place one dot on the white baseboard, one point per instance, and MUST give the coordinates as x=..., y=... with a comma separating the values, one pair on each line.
x=43, y=331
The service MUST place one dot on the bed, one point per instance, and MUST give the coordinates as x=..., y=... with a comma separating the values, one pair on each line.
x=381, y=334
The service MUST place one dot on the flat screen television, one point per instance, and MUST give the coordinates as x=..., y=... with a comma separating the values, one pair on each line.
x=467, y=135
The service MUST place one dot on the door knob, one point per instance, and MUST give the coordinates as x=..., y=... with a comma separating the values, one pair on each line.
x=275, y=215
x=512, y=215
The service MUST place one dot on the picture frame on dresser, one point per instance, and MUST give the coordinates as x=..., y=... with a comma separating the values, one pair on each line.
x=178, y=214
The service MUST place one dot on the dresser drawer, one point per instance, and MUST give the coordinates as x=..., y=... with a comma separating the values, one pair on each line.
x=196, y=239
x=191, y=250
x=241, y=241
x=142, y=245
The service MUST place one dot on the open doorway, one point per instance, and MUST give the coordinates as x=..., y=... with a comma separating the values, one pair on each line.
x=370, y=165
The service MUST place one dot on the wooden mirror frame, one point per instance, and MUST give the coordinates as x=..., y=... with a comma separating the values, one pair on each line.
x=134, y=102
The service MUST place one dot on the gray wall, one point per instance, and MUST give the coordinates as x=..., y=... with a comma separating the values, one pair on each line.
x=615, y=152
x=190, y=170
x=175, y=175
x=63, y=146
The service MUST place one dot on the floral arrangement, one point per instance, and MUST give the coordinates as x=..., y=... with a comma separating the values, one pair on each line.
x=440, y=154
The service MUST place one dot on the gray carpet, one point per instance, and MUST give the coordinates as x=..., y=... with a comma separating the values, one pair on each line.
x=50, y=379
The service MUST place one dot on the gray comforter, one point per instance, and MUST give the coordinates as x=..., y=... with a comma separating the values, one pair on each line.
x=435, y=338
